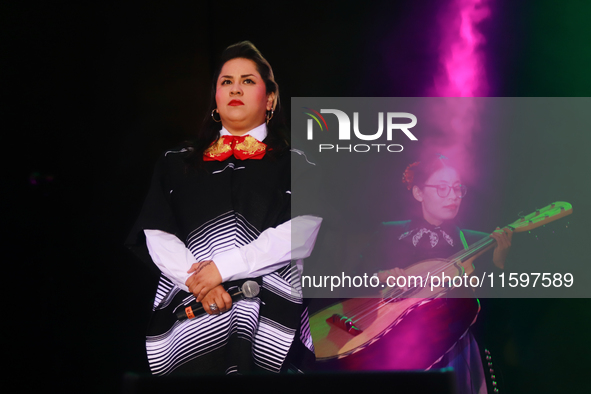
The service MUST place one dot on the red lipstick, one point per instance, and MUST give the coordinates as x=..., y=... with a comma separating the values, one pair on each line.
x=235, y=103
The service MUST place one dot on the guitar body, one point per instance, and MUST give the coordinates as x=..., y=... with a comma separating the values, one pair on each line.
x=411, y=333
x=412, y=329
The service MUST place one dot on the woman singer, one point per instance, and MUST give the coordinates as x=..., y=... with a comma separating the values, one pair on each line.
x=218, y=213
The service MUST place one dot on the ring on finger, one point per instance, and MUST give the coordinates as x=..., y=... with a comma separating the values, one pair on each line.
x=213, y=307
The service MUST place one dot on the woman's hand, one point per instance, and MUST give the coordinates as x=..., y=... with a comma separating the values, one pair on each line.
x=205, y=277
x=503, y=238
x=218, y=296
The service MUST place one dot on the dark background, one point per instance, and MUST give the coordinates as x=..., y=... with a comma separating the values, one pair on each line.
x=93, y=93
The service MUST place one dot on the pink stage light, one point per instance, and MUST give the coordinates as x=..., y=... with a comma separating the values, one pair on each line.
x=461, y=73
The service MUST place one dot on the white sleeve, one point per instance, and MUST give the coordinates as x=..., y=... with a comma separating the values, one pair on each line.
x=170, y=255
x=292, y=240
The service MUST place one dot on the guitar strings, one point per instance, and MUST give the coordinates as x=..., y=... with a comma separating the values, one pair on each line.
x=394, y=294
x=460, y=256
x=382, y=302
x=369, y=308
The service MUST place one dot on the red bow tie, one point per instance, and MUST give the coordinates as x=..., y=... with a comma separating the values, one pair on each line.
x=242, y=147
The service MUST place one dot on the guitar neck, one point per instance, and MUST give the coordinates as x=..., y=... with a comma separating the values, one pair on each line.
x=538, y=218
x=475, y=249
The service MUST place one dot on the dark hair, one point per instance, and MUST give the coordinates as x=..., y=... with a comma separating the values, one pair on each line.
x=276, y=140
x=417, y=173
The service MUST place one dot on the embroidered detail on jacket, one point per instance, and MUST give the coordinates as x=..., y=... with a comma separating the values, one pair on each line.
x=433, y=237
x=301, y=153
x=176, y=151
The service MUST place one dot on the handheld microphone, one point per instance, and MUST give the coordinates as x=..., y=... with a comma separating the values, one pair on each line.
x=249, y=289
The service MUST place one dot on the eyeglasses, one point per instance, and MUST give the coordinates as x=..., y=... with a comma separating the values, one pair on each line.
x=443, y=190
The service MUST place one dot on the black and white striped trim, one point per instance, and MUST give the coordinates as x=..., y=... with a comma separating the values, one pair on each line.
x=278, y=285
x=272, y=342
x=165, y=292
x=189, y=339
x=305, y=334
x=222, y=233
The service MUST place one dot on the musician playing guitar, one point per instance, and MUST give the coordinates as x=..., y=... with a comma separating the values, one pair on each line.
x=422, y=325
x=436, y=184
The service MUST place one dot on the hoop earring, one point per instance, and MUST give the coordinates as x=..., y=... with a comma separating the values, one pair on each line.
x=269, y=117
x=213, y=117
